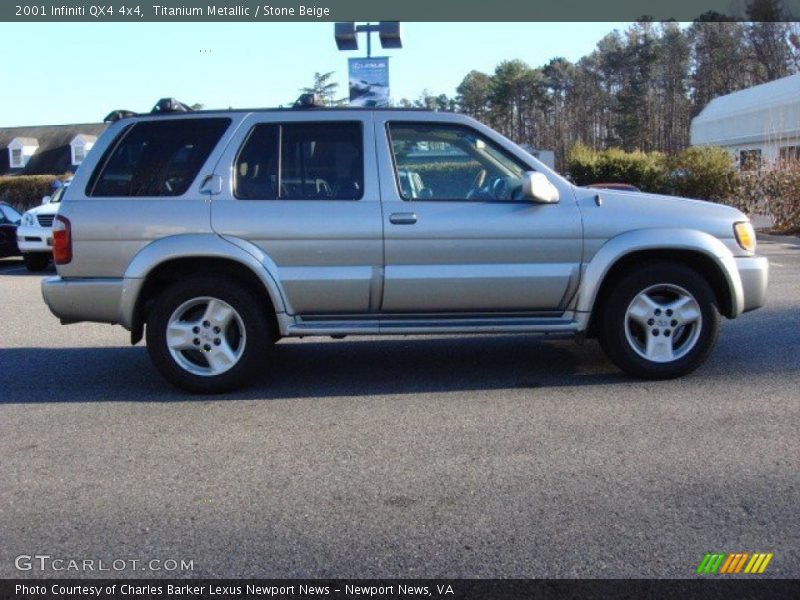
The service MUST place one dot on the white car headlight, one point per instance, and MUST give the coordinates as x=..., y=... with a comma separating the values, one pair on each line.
x=28, y=220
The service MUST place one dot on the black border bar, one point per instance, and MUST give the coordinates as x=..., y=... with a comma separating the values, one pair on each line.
x=711, y=588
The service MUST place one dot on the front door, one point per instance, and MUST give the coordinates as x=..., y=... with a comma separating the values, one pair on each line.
x=459, y=236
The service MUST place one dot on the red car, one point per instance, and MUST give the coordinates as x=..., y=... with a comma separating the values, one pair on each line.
x=621, y=187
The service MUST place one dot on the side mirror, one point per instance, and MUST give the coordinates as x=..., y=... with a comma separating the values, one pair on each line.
x=536, y=187
x=46, y=199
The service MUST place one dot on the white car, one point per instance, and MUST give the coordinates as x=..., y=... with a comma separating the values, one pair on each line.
x=35, y=232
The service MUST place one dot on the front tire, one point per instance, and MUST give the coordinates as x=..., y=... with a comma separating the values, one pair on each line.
x=208, y=335
x=36, y=261
x=660, y=321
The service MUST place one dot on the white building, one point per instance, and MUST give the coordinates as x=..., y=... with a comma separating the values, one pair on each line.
x=759, y=126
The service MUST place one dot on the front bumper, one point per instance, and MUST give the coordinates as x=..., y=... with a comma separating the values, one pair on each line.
x=75, y=300
x=754, y=274
x=34, y=239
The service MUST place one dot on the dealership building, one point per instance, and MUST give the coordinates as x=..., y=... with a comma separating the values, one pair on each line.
x=759, y=126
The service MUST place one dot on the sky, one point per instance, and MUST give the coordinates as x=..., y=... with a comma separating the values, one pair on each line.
x=58, y=73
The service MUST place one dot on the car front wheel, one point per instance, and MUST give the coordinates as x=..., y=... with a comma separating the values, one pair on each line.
x=208, y=335
x=660, y=321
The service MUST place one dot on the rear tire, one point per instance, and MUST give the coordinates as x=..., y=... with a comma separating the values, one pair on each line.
x=660, y=321
x=208, y=335
x=36, y=261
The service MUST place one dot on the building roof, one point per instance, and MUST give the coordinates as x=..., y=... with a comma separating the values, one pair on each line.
x=25, y=141
x=769, y=111
x=54, y=154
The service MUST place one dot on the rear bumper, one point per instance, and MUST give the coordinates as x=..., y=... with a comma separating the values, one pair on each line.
x=754, y=274
x=74, y=300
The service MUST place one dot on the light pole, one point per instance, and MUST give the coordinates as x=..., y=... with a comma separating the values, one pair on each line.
x=368, y=77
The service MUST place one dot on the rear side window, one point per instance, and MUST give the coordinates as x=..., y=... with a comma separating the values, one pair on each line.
x=301, y=161
x=156, y=158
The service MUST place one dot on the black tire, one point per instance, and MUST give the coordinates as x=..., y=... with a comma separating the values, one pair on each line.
x=36, y=261
x=615, y=340
x=257, y=341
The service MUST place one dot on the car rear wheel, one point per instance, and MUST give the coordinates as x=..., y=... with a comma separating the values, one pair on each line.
x=660, y=321
x=208, y=335
x=36, y=261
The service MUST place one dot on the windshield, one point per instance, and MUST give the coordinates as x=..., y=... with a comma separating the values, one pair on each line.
x=11, y=213
x=58, y=194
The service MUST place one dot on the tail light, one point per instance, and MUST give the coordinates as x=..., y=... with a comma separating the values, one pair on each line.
x=62, y=240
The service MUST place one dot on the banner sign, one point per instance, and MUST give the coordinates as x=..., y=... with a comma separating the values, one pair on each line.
x=369, y=81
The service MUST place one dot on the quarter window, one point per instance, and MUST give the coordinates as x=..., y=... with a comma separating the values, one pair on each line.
x=451, y=162
x=157, y=158
x=301, y=161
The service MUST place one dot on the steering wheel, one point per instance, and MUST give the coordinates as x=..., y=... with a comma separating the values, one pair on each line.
x=500, y=189
x=477, y=185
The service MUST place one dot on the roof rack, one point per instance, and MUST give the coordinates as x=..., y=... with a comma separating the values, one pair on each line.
x=169, y=105
x=309, y=100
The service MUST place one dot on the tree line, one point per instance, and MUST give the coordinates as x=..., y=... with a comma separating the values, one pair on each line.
x=639, y=89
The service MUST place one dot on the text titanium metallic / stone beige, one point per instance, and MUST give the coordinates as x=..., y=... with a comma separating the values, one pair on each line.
x=221, y=231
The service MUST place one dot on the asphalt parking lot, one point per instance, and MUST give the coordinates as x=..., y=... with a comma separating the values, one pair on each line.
x=504, y=456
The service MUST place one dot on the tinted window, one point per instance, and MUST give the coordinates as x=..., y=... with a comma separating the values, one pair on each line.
x=11, y=214
x=447, y=162
x=157, y=158
x=301, y=161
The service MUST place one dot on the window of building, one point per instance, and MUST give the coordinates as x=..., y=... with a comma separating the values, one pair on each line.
x=790, y=153
x=17, y=160
x=156, y=158
x=78, y=154
x=750, y=160
x=301, y=161
x=451, y=162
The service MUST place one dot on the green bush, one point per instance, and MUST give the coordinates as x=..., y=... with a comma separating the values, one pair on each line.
x=452, y=175
x=26, y=191
x=647, y=171
x=703, y=172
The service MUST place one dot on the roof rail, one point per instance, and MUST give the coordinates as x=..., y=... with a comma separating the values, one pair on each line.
x=116, y=115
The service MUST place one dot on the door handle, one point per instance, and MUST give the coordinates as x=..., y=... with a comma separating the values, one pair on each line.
x=404, y=218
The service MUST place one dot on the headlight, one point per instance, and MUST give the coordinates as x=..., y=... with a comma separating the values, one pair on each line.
x=28, y=220
x=745, y=235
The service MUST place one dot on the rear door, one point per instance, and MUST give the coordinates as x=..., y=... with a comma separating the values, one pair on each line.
x=459, y=237
x=303, y=187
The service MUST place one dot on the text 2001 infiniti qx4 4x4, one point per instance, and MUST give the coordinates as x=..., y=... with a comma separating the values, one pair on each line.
x=219, y=232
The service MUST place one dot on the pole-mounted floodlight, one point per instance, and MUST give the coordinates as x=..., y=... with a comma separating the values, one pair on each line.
x=346, y=35
x=389, y=32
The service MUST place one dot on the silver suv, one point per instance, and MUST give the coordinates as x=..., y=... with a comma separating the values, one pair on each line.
x=220, y=232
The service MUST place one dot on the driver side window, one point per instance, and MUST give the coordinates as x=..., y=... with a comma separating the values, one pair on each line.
x=452, y=162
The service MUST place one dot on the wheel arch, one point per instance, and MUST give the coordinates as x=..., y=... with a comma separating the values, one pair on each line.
x=170, y=259
x=697, y=250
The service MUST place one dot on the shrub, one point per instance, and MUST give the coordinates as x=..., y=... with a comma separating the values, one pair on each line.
x=775, y=193
x=703, y=172
x=26, y=191
x=647, y=171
